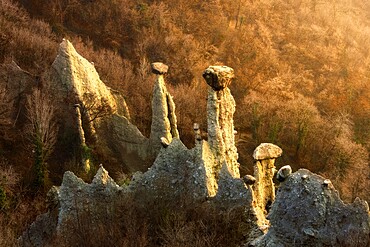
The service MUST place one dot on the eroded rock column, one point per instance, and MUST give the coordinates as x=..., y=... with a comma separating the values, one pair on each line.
x=264, y=170
x=164, y=122
x=220, y=110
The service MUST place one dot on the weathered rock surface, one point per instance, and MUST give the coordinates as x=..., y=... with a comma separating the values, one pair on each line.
x=124, y=143
x=306, y=212
x=218, y=77
x=159, y=68
x=267, y=151
x=176, y=176
x=17, y=84
x=283, y=173
x=264, y=171
x=76, y=200
x=231, y=190
x=104, y=116
x=220, y=121
x=78, y=76
x=164, y=122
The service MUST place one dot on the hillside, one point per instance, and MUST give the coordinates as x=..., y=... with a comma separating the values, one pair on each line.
x=301, y=82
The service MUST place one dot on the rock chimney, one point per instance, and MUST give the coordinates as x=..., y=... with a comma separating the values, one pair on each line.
x=164, y=122
x=220, y=110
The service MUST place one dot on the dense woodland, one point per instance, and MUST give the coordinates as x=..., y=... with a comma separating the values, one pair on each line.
x=302, y=78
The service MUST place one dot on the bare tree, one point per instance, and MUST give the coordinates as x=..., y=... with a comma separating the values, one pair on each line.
x=43, y=132
x=4, y=107
x=61, y=8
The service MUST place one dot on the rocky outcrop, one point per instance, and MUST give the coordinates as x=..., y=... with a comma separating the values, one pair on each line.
x=75, y=200
x=80, y=78
x=103, y=119
x=308, y=212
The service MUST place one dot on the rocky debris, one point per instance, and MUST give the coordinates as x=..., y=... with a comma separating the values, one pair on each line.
x=220, y=120
x=283, y=173
x=164, y=122
x=308, y=212
x=218, y=77
x=159, y=68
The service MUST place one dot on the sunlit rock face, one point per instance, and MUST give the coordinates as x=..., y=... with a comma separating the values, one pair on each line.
x=79, y=76
x=220, y=118
x=218, y=77
x=264, y=171
x=104, y=117
x=305, y=211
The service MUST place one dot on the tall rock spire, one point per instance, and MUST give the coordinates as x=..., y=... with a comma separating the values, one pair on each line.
x=220, y=110
x=164, y=122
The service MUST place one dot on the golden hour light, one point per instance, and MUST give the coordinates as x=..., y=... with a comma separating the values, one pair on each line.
x=184, y=123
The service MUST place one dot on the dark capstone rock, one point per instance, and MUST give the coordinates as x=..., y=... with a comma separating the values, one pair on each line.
x=249, y=180
x=159, y=68
x=218, y=77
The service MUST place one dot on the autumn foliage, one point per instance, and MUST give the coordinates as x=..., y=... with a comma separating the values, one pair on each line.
x=302, y=72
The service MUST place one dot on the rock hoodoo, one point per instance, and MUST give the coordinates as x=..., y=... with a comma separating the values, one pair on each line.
x=102, y=119
x=307, y=211
x=164, y=122
x=159, y=68
x=264, y=171
x=220, y=119
x=218, y=77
